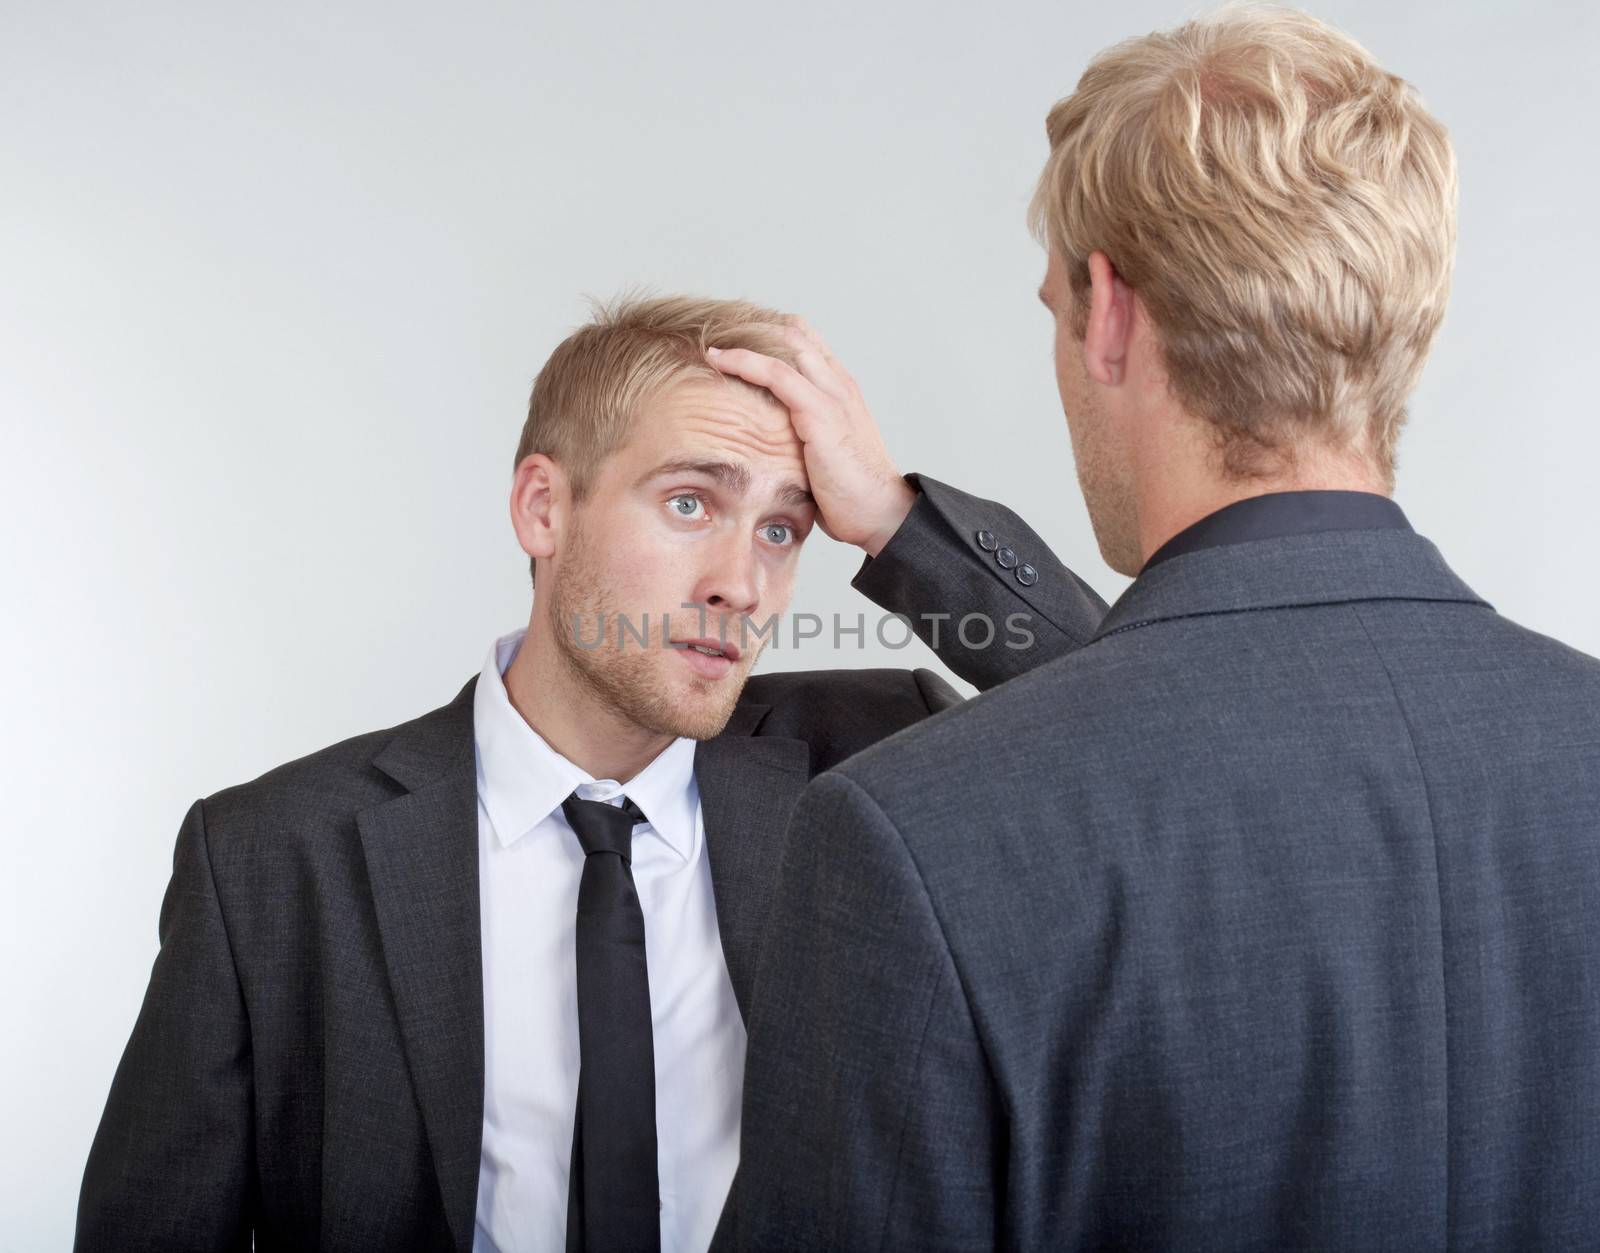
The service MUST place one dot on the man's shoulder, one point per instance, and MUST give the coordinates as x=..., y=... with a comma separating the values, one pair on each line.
x=1451, y=637
x=1058, y=701
x=840, y=712
x=333, y=783
x=779, y=686
x=1116, y=710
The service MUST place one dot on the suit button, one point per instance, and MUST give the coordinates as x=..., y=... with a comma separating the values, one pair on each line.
x=987, y=541
x=1027, y=575
x=1006, y=558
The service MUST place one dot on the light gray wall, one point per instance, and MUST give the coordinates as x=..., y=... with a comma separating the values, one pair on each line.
x=276, y=278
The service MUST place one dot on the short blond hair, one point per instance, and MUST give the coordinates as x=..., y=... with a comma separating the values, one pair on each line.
x=1285, y=209
x=598, y=381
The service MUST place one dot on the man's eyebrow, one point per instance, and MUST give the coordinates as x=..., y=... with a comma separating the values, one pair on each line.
x=793, y=494
x=729, y=475
x=726, y=474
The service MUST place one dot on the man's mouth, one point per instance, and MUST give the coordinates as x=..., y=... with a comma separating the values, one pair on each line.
x=710, y=648
x=710, y=659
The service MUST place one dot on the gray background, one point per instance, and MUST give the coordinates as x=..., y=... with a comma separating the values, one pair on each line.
x=276, y=279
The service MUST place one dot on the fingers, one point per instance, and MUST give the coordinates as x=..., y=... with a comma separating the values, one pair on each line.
x=822, y=375
x=802, y=330
x=806, y=333
x=814, y=362
x=804, y=336
x=793, y=389
x=814, y=359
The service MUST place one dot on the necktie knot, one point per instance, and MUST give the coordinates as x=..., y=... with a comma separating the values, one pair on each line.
x=602, y=827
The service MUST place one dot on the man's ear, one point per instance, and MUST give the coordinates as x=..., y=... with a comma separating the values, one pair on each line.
x=540, y=505
x=1110, y=329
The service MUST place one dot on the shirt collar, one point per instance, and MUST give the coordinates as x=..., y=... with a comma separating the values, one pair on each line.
x=522, y=780
x=1276, y=514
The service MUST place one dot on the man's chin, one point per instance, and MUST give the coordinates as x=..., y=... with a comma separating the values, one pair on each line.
x=704, y=709
x=683, y=705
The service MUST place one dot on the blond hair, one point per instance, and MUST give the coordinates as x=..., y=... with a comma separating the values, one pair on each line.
x=598, y=381
x=1284, y=208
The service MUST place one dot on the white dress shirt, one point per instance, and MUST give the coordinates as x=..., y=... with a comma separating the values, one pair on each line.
x=529, y=864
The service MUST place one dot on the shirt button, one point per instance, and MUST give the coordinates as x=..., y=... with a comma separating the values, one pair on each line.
x=1027, y=575
x=987, y=541
x=1006, y=558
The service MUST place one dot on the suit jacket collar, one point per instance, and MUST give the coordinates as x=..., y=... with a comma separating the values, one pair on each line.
x=1276, y=514
x=1323, y=568
x=421, y=849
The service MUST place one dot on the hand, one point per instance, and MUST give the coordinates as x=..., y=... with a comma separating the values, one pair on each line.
x=861, y=498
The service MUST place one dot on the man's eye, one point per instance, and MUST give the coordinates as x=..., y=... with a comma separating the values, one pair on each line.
x=686, y=506
x=777, y=533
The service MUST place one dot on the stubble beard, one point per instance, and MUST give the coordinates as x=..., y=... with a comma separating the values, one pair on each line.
x=624, y=678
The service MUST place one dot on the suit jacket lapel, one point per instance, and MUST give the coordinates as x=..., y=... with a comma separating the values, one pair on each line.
x=422, y=860
x=421, y=851
x=748, y=787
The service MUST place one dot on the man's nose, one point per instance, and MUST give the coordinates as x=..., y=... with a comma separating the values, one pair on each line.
x=732, y=584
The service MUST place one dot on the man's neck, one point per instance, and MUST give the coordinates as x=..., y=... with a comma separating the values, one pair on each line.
x=570, y=717
x=1172, y=503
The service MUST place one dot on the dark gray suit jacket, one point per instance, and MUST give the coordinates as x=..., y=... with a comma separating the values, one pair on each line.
x=1270, y=919
x=308, y=1061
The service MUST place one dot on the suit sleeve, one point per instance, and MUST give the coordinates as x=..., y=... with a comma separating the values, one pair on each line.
x=958, y=555
x=171, y=1164
x=870, y=1119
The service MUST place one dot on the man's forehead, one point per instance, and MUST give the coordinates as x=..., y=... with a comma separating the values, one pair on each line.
x=714, y=419
x=726, y=397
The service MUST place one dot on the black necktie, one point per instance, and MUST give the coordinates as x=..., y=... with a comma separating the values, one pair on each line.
x=613, y=1197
